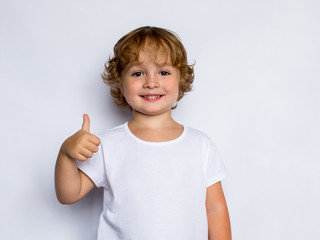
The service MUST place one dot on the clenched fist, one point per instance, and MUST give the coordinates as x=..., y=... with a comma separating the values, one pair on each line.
x=82, y=144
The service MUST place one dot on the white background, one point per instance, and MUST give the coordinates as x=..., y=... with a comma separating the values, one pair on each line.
x=256, y=93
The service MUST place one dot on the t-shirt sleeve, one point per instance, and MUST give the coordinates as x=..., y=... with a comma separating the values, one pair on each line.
x=215, y=169
x=94, y=168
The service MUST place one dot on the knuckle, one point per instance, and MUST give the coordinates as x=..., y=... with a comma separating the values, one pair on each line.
x=83, y=140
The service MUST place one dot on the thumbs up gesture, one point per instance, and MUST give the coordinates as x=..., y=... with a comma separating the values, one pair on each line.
x=82, y=145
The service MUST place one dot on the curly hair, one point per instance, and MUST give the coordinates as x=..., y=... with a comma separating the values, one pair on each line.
x=127, y=49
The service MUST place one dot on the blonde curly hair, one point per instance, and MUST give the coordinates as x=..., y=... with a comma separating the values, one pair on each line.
x=127, y=50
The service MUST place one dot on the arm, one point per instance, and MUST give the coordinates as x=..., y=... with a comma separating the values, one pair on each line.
x=70, y=183
x=217, y=213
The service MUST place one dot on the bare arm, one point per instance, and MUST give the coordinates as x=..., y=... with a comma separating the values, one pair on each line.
x=217, y=213
x=70, y=183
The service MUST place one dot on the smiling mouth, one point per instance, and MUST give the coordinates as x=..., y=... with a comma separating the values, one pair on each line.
x=152, y=96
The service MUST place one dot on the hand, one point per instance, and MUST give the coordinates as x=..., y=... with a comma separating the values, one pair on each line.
x=82, y=144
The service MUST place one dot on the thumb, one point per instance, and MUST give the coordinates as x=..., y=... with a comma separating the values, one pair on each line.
x=86, y=123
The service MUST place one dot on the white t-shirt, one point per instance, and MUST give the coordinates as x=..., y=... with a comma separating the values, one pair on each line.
x=154, y=190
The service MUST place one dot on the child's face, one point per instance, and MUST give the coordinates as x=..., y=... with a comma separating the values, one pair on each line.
x=151, y=86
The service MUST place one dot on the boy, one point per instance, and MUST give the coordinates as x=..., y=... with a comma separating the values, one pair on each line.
x=161, y=179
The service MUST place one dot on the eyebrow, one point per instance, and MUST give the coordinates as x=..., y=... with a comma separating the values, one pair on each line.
x=133, y=64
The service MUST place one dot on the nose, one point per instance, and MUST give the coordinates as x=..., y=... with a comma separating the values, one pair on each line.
x=151, y=82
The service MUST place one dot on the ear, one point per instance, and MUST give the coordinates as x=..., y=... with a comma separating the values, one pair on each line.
x=180, y=93
x=120, y=84
x=121, y=87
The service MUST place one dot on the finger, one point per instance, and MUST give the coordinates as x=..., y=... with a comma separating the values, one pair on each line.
x=80, y=157
x=91, y=147
x=86, y=123
x=94, y=139
x=86, y=153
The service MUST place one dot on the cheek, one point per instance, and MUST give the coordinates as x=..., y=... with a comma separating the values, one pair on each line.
x=129, y=89
x=174, y=87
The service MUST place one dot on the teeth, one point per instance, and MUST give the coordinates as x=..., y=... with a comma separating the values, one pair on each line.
x=151, y=97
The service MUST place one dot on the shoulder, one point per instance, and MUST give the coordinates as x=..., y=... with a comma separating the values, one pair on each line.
x=113, y=133
x=198, y=134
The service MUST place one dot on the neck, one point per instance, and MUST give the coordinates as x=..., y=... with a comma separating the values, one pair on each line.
x=152, y=122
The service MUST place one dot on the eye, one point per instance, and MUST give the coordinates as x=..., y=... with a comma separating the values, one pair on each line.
x=164, y=73
x=137, y=74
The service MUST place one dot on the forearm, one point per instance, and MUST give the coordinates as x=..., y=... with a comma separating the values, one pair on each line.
x=67, y=179
x=219, y=224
